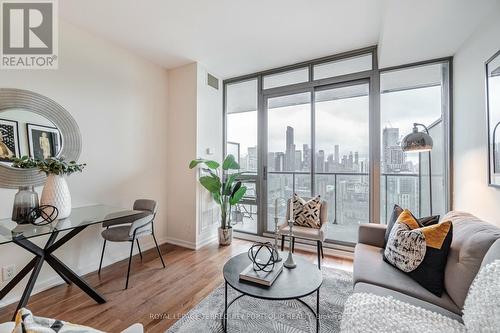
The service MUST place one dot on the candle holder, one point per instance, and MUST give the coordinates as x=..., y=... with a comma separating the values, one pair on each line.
x=290, y=263
x=276, y=234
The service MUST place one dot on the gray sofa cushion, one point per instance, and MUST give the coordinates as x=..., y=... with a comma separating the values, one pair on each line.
x=370, y=267
x=362, y=287
x=472, y=238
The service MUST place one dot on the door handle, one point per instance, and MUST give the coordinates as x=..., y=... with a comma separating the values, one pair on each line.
x=264, y=173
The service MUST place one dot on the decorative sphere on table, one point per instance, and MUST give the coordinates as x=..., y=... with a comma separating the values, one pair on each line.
x=263, y=256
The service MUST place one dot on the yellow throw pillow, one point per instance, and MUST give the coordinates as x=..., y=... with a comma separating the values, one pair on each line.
x=421, y=252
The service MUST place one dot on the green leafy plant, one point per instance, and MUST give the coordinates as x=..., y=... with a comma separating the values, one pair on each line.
x=24, y=162
x=222, y=182
x=58, y=166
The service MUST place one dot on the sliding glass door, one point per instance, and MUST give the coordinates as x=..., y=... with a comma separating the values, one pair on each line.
x=288, y=167
x=341, y=143
x=317, y=144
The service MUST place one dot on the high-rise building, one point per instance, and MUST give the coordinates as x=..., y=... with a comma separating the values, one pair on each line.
x=394, y=159
x=337, y=154
x=307, y=156
x=279, y=161
x=290, y=150
x=298, y=160
x=320, y=161
x=252, y=159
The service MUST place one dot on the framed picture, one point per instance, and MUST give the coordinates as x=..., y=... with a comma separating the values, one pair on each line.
x=493, y=114
x=9, y=140
x=43, y=141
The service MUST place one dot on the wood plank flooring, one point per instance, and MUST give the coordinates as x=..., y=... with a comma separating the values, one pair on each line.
x=156, y=297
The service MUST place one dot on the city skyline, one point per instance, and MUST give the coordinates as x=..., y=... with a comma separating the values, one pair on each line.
x=393, y=159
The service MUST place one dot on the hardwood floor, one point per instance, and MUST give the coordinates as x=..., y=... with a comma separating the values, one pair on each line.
x=156, y=297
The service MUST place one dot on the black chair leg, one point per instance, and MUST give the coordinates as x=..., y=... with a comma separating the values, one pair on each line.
x=139, y=247
x=102, y=256
x=322, y=253
x=282, y=243
x=129, y=262
x=158, y=249
x=293, y=244
x=318, y=246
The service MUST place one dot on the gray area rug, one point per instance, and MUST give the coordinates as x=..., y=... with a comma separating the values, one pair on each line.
x=260, y=316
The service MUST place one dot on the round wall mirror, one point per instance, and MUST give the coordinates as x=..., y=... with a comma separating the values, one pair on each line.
x=36, y=126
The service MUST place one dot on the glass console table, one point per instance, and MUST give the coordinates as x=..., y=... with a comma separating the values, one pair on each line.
x=81, y=218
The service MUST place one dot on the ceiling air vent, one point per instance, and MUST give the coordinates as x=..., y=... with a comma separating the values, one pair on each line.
x=212, y=81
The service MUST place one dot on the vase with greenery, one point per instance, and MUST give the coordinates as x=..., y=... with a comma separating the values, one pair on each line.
x=56, y=192
x=225, y=187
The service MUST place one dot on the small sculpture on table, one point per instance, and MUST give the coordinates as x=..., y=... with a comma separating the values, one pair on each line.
x=265, y=260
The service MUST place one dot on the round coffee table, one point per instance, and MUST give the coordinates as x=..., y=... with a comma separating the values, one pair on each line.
x=296, y=283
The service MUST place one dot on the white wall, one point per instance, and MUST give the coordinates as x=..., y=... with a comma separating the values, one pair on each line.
x=471, y=192
x=120, y=103
x=209, y=123
x=181, y=147
x=195, y=124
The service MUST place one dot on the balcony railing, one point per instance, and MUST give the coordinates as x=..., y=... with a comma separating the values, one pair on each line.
x=393, y=189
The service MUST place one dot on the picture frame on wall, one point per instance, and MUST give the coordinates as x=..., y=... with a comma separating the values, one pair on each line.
x=493, y=118
x=9, y=140
x=43, y=141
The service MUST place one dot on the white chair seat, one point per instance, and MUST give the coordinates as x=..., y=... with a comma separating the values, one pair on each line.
x=304, y=232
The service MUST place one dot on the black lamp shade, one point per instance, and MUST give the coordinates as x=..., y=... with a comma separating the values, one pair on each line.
x=417, y=142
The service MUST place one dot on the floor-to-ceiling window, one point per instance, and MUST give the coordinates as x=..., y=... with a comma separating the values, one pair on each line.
x=317, y=127
x=409, y=95
x=241, y=141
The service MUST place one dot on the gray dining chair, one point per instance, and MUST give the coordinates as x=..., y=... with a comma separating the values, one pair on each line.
x=125, y=230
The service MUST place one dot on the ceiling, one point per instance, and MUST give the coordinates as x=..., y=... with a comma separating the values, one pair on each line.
x=236, y=37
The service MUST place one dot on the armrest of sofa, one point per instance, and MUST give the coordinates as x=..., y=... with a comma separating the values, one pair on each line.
x=372, y=234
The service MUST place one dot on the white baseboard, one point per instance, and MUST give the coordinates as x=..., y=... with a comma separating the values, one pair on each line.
x=206, y=241
x=55, y=280
x=180, y=242
x=190, y=245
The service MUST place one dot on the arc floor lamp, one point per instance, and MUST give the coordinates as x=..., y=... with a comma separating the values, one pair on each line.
x=420, y=142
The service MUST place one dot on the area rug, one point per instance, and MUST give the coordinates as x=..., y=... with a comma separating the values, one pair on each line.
x=260, y=316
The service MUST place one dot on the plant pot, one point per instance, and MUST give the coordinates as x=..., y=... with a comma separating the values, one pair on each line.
x=56, y=193
x=225, y=236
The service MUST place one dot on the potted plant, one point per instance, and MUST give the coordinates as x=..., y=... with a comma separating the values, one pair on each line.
x=56, y=192
x=226, y=189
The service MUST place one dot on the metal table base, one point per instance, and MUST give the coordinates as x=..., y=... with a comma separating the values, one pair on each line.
x=227, y=305
x=35, y=265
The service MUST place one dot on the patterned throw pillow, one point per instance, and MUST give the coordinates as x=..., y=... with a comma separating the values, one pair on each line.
x=420, y=251
x=423, y=221
x=307, y=213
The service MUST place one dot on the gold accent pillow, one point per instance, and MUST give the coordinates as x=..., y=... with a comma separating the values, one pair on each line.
x=419, y=251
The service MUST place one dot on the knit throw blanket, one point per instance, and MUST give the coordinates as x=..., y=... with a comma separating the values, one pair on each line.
x=368, y=313
x=27, y=323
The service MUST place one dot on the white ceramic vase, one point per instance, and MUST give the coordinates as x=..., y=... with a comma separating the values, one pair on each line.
x=56, y=193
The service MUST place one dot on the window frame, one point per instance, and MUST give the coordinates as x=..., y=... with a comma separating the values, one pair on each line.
x=373, y=76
